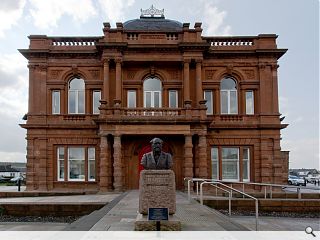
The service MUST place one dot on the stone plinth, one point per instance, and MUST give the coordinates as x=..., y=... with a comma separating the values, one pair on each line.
x=142, y=224
x=157, y=190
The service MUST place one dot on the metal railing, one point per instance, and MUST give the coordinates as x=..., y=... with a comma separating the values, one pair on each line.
x=230, y=195
x=266, y=186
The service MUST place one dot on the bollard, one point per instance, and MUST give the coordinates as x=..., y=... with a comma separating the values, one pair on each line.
x=19, y=184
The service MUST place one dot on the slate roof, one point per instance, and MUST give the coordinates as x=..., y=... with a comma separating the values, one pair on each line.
x=152, y=24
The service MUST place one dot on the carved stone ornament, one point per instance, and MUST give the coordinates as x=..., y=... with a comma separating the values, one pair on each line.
x=249, y=74
x=152, y=12
x=54, y=74
x=209, y=74
x=95, y=73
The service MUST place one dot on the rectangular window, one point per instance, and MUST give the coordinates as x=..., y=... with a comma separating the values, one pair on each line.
x=60, y=170
x=91, y=164
x=230, y=164
x=96, y=101
x=249, y=102
x=246, y=165
x=215, y=163
x=209, y=103
x=173, y=99
x=132, y=99
x=76, y=160
x=56, y=102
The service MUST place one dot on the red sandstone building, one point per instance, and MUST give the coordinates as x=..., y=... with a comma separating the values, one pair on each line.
x=96, y=102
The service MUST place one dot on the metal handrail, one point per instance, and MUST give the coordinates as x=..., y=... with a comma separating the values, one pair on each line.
x=229, y=192
x=265, y=185
x=232, y=189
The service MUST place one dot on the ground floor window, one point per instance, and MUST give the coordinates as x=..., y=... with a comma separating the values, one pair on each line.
x=76, y=163
x=230, y=163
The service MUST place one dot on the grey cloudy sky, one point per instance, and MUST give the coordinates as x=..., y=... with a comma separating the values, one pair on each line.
x=295, y=21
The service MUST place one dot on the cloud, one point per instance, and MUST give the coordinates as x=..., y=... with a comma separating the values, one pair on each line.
x=114, y=9
x=46, y=14
x=13, y=85
x=304, y=153
x=10, y=13
x=14, y=104
x=213, y=20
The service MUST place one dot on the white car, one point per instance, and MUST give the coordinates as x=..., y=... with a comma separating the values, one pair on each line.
x=294, y=180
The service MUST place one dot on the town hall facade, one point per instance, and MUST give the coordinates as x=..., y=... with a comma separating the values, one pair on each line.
x=96, y=102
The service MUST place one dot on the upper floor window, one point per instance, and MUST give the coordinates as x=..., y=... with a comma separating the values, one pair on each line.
x=173, y=98
x=56, y=102
x=96, y=101
x=208, y=97
x=228, y=96
x=132, y=99
x=249, y=102
x=152, y=93
x=76, y=96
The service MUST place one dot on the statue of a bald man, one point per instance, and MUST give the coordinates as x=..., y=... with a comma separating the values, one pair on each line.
x=156, y=159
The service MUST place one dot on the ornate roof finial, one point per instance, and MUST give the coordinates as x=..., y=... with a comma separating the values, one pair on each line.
x=152, y=12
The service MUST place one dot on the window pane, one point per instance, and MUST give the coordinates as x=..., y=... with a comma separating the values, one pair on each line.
x=147, y=99
x=224, y=102
x=230, y=170
x=96, y=103
x=80, y=102
x=233, y=102
x=249, y=102
x=72, y=102
x=245, y=169
x=246, y=164
x=77, y=84
x=208, y=97
x=230, y=162
x=173, y=98
x=76, y=164
x=91, y=164
x=228, y=84
x=76, y=153
x=92, y=171
x=60, y=164
x=76, y=168
x=152, y=84
x=91, y=153
x=156, y=99
x=230, y=153
x=214, y=162
x=131, y=99
x=56, y=102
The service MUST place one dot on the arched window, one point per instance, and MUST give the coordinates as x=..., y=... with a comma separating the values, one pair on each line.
x=152, y=92
x=76, y=96
x=228, y=96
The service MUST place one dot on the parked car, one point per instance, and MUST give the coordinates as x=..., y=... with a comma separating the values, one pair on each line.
x=4, y=179
x=294, y=180
x=16, y=179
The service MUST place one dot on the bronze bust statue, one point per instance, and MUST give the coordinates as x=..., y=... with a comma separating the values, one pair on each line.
x=156, y=159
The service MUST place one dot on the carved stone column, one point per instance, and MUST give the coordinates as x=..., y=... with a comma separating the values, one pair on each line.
x=106, y=79
x=186, y=81
x=105, y=173
x=203, y=166
x=188, y=157
x=118, y=80
x=117, y=164
x=199, y=92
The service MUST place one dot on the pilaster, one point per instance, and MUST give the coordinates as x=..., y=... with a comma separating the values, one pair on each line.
x=117, y=164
